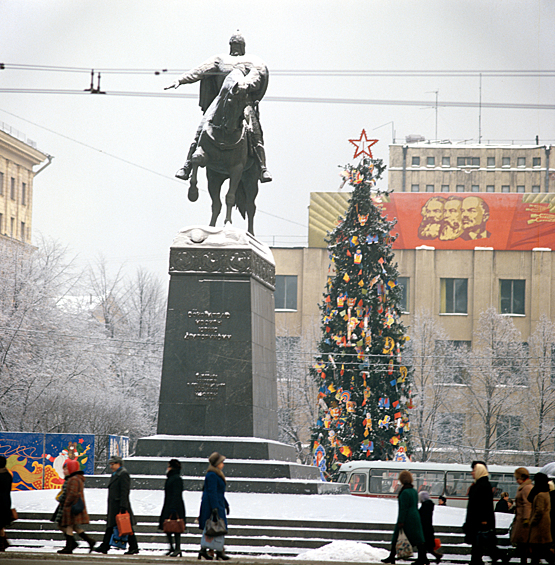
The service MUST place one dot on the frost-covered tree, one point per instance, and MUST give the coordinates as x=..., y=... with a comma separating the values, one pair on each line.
x=498, y=375
x=430, y=354
x=538, y=414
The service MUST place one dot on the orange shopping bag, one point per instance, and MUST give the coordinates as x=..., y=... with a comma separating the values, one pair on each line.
x=123, y=522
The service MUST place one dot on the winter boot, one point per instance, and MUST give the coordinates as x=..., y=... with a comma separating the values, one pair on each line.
x=222, y=555
x=170, y=541
x=422, y=558
x=203, y=554
x=4, y=543
x=88, y=539
x=177, y=552
x=390, y=558
x=71, y=544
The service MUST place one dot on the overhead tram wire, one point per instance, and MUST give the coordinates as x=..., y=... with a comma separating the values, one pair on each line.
x=296, y=99
x=528, y=73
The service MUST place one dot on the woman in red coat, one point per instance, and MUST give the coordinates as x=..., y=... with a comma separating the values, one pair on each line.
x=72, y=493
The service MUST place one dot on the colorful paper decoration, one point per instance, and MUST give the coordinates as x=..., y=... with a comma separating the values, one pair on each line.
x=358, y=257
x=345, y=396
x=388, y=345
x=346, y=451
x=346, y=277
x=383, y=403
x=362, y=219
x=372, y=239
x=384, y=422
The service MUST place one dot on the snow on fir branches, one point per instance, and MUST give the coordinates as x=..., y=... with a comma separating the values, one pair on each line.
x=364, y=391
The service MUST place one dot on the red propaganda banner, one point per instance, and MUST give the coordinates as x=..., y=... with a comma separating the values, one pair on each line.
x=469, y=220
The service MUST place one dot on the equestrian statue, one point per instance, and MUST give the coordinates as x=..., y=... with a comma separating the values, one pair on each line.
x=229, y=140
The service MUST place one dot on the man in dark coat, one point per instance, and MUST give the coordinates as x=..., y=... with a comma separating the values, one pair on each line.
x=118, y=502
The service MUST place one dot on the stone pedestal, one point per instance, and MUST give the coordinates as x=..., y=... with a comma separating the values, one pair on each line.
x=219, y=368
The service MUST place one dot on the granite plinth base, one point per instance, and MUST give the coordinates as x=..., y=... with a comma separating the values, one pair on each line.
x=252, y=465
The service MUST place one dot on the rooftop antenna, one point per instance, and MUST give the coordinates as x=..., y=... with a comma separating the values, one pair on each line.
x=480, y=114
x=392, y=130
x=436, y=92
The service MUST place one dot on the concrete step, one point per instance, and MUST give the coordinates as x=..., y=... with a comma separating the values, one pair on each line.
x=203, y=446
x=251, y=536
x=258, y=485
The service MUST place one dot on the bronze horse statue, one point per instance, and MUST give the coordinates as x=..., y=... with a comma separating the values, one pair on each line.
x=224, y=149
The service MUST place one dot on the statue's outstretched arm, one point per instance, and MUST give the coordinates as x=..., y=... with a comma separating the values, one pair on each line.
x=198, y=73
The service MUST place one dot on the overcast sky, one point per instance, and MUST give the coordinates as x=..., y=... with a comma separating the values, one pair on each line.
x=111, y=189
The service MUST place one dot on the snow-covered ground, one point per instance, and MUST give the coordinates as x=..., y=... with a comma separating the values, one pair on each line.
x=332, y=508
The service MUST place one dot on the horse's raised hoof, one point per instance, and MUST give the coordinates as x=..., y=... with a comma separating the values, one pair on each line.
x=193, y=192
x=265, y=176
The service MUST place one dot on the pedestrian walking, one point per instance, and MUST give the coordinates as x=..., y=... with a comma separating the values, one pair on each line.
x=72, y=510
x=408, y=520
x=520, y=531
x=118, y=502
x=540, y=520
x=213, y=499
x=5, y=502
x=503, y=504
x=174, y=507
x=426, y=512
x=479, y=526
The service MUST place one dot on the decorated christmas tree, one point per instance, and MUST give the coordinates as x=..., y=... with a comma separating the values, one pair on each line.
x=364, y=390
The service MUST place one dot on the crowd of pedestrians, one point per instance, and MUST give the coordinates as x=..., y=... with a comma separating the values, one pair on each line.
x=532, y=532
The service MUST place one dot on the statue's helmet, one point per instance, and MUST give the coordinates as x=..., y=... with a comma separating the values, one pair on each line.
x=237, y=38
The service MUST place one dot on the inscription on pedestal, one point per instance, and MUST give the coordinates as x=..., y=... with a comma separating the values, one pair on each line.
x=208, y=325
x=206, y=386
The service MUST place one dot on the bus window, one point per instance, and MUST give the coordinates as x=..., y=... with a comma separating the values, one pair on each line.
x=457, y=483
x=357, y=482
x=384, y=481
x=432, y=481
x=503, y=482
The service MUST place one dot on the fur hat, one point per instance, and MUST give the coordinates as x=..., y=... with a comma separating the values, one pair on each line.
x=174, y=464
x=423, y=495
x=116, y=459
x=72, y=465
x=522, y=473
x=215, y=459
x=405, y=477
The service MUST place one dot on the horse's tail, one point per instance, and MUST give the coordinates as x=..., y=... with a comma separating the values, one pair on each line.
x=241, y=199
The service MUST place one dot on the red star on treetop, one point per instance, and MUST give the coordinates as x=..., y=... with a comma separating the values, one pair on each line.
x=363, y=145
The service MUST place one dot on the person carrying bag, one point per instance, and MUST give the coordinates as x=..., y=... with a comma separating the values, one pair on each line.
x=213, y=510
x=172, y=518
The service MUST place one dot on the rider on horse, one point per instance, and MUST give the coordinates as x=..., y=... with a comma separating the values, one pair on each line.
x=212, y=74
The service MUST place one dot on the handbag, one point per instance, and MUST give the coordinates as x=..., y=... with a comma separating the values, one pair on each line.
x=14, y=515
x=118, y=540
x=403, y=547
x=78, y=506
x=216, y=543
x=215, y=526
x=123, y=522
x=174, y=526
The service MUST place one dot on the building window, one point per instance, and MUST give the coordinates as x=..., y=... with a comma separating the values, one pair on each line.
x=508, y=432
x=403, y=283
x=1, y=184
x=505, y=188
x=520, y=188
x=490, y=188
x=429, y=188
x=414, y=187
x=454, y=293
x=12, y=188
x=468, y=161
x=446, y=161
x=453, y=354
x=1, y=223
x=511, y=296
x=460, y=188
x=444, y=188
x=286, y=292
x=506, y=162
x=22, y=232
x=536, y=161
x=12, y=227
x=23, y=193
x=431, y=161
x=475, y=188
x=416, y=161
x=521, y=162
x=535, y=188
x=491, y=161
